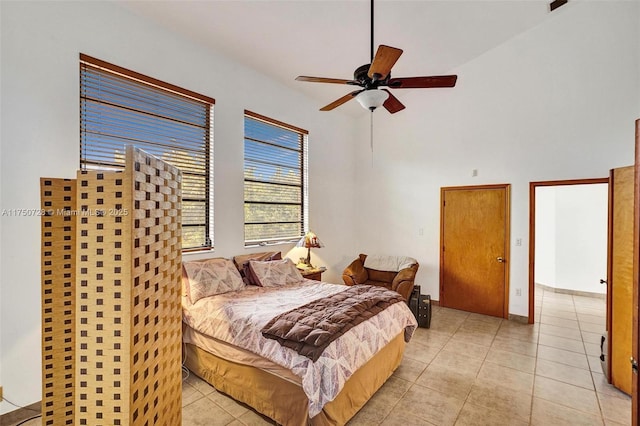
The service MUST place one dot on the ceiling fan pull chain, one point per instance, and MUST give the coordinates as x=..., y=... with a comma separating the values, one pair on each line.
x=371, y=136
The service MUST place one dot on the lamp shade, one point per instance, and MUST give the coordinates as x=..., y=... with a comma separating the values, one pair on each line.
x=310, y=240
x=372, y=99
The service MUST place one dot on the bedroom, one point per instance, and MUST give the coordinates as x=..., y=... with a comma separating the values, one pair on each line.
x=502, y=119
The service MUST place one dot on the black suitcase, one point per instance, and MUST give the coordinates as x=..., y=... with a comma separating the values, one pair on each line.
x=413, y=300
x=424, y=311
x=420, y=305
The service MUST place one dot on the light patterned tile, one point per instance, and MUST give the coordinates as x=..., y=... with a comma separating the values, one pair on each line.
x=499, y=398
x=467, y=348
x=592, y=319
x=616, y=408
x=190, y=394
x=559, y=313
x=561, y=343
x=409, y=369
x=592, y=328
x=515, y=345
x=512, y=360
x=400, y=418
x=589, y=311
x=595, y=365
x=227, y=403
x=428, y=405
x=199, y=384
x=564, y=373
x=431, y=337
x=478, y=338
x=554, y=330
x=603, y=386
x=589, y=337
x=457, y=362
x=205, y=412
x=477, y=325
x=485, y=318
x=446, y=381
x=565, y=394
x=563, y=356
x=504, y=377
x=559, y=322
x=529, y=334
x=474, y=415
x=252, y=418
x=592, y=348
x=546, y=413
x=421, y=352
x=381, y=403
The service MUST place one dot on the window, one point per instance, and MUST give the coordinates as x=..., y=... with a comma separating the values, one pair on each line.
x=119, y=107
x=275, y=181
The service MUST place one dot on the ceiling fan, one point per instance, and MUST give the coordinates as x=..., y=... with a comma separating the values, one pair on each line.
x=371, y=77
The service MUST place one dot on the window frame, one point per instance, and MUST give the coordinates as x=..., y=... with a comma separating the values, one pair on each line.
x=304, y=181
x=161, y=87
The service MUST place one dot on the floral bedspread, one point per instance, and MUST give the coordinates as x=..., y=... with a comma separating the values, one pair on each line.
x=238, y=317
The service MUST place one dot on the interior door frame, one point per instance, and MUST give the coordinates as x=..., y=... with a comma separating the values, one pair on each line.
x=532, y=229
x=507, y=238
x=635, y=350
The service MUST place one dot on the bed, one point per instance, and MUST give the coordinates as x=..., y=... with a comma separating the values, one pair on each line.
x=225, y=343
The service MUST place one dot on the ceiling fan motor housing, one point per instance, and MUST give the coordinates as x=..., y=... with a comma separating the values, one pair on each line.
x=361, y=75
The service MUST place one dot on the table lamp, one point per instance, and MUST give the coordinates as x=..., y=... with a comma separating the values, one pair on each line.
x=309, y=240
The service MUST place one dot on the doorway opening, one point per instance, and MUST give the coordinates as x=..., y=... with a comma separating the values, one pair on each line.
x=550, y=203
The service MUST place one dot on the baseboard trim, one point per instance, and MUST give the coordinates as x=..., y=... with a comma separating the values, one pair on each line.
x=519, y=318
x=21, y=414
x=571, y=292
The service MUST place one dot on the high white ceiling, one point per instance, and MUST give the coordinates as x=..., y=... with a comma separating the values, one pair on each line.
x=322, y=38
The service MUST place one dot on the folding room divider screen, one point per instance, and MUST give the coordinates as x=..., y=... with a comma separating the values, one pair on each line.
x=111, y=286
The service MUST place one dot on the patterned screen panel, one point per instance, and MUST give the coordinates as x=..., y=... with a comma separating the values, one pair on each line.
x=112, y=350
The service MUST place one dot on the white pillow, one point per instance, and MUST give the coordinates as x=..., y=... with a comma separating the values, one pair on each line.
x=275, y=273
x=211, y=277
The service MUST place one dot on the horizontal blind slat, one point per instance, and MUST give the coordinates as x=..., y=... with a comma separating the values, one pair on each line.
x=117, y=110
x=273, y=182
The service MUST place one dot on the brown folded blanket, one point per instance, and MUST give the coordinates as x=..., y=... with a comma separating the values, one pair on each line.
x=310, y=328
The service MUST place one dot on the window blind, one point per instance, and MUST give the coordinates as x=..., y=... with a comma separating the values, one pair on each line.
x=275, y=181
x=119, y=107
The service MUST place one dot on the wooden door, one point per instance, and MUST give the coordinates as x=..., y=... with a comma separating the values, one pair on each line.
x=474, y=252
x=620, y=279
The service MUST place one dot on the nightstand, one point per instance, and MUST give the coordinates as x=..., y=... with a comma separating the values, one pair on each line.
x=313, y=273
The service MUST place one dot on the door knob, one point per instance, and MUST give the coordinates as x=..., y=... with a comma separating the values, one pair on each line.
x=603, y=281
x=501, y=259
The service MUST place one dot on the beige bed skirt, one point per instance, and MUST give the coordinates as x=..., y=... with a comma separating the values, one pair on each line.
x=284, y=401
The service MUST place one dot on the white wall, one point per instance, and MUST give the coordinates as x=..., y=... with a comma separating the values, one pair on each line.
x=581, y=229
x=39, y=137
x=571, y=237
x=545, y=266
x=557, y=102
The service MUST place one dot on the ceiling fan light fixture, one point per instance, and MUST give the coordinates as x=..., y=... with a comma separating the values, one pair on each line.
x=372, y=99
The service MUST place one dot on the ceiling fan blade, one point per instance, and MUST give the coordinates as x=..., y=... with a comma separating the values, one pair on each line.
x=384, y=60
x=340, y=101
x=392, y=104
x=423, y=82
x=323, y=80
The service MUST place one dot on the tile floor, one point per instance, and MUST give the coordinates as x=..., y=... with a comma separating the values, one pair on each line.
x=470, y=369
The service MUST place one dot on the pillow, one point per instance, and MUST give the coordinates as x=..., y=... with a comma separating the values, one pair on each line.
x=211, y=277
x=242, y=263
x=275, y=273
